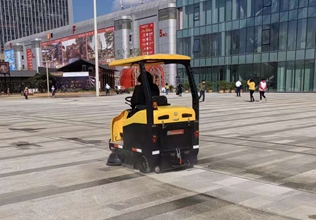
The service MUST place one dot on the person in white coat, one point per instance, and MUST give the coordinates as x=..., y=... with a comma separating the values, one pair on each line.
x=107, y=89
x=238, y=88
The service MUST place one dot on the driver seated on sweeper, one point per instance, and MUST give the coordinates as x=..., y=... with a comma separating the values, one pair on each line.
x=138, y=100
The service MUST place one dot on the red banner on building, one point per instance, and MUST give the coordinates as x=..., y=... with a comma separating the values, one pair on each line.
x=147, y=39
x=29, y=59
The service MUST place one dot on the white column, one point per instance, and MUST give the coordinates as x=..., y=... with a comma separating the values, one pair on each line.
x=96, y=50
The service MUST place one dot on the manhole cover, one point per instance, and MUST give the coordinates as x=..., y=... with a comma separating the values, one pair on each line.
x=312, y=216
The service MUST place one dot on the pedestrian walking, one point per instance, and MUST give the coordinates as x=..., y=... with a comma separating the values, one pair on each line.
x=262, y=89
x=167, y=88
x=202, y=88
x=252, y=86
x=107, y=89
x=26, y=92
x=238, y=88
x=53, y=91
x=179, y=89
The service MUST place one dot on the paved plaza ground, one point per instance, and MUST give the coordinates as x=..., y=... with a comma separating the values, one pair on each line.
x=256, y=161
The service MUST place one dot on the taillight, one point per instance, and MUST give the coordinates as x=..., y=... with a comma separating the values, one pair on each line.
x=196, y=134
x=154, y=138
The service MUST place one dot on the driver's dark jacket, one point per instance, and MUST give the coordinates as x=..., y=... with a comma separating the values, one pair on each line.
x=139, y=98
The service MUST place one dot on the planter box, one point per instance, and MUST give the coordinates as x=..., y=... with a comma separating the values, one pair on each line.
x=232, y=91
x=221, y=91
x=227, y=91
x=210, y=91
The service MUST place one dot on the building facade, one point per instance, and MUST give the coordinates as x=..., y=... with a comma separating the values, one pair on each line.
x=241, y=39
x=144, y=29
x=22, y=18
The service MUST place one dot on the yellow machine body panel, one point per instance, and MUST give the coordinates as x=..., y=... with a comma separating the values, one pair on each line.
x=164, y=114
x=173, y=114
x=117, y=126
x=149, y=59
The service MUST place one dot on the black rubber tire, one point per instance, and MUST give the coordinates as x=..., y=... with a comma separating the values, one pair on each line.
x=143, y=165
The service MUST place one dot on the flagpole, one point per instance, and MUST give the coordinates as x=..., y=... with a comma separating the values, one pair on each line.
x=47, y=77
x=96, y=50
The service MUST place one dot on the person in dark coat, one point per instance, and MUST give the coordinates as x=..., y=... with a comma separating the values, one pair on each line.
x=139, y=97
x=179, y=89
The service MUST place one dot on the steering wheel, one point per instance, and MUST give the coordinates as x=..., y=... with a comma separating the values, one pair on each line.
x=128, y=100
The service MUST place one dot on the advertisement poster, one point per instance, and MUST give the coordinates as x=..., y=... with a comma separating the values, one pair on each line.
x=64, y=51
x=29, y=59
x=147, y=39
x=9, y=57
x=4, y=68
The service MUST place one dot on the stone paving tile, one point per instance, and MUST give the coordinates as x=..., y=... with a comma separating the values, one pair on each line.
x=244, y=147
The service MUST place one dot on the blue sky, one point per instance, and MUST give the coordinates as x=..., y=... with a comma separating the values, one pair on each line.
x=83, y=9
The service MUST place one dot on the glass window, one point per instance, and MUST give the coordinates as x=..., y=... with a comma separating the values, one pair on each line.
x=215, y=11
x=291, y=35
x=302, y=3
x=266, y=37
x=235, y=12
x=301, y=34
x=221, y=10
x=309, y=75
x=283, y=36
x=274, y=36
x=284, y=5
x=258, y=6
x=258, y=36
x=302, y=13
x=180, y=46
x=188, y=16
x=187, y=46
x=207, y=9
x=196, y=45
x=311, y=32
x=228, y=10
x=256, y=72
x=242, y=40
x=243, y=9
x=235, y=42
x=250, y=8
x=275, y=5
x=299, y=76
x=293, y=4
x=281, y=77
x=289, y=79
x=250, y=40
x=271, y=77
x=312, y=11
x=312, y=2
x=228, y=43
x=214, y=45
x=196, y=15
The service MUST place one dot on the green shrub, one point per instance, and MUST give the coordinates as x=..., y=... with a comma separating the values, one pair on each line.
x=223, y=85
x=232, y=85
x=209, y=85
x=171, y=87
x=186, y=85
